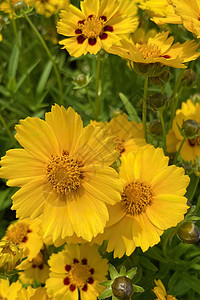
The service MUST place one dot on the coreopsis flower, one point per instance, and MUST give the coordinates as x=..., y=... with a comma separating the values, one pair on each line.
x=64, y=173
x=10, y=256
x=7, y=6
x=162, y=11
x=30, y=293
x=34, y=270
x=158, y=51
x=25, y=234
x=189, y=11
x=99, y=24
x=8, y=291
x=160, y=291
x=49, y=7
x=129, y=136
x=191, y=147
x=151, y=189
x=78, y=268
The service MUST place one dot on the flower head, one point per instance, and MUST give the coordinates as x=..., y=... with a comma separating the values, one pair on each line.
x=97, y=25
x=151, y=188
x=77, y=267
x=25, y=234
x=64, y=175
x=191, y=147
x=7, y=6
x=8, y=291
x=156, y=51
x=160, y=291
x=10, y=256
x=49, y=7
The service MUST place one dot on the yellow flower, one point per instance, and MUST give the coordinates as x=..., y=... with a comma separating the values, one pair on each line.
x=129, y=136
x=189, y=11
x=99, y=24
x=34, y=270
x=191, y=147
x=10, y=256
x=152, y=201
x=6, y=7
x=64, y=174
x=8, y=291
x=33, y=294
x=1, y=37
x=77, y=267
x=162, y=11
x=25, y=234
x=157, y=50
x=49, y=7
x=160, y=291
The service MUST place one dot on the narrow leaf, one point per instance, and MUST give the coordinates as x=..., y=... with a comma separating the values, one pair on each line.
x=44, y=77
x=129, y=108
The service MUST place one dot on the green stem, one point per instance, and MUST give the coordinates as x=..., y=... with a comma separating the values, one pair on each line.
x=144, y=107
x=97, y=86
x=164, y=130
x=179, y=150
x=174, y=100
x=194, y=188
x=49, y=55
x=7, y=130
x=90, y=100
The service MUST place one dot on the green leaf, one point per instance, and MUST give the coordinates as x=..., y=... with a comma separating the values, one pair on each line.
x=145, y=262
x=131, y=273
x=191, y=281
x=44, y=77
x=137, y=288
x=129, y=108
x=122, y=271
x=106, y=283
x=156, y=254
x=14, y=59
x=105, y=294
x=113, y=272
x=5, y=201
x=24, y=76
x=173, y=280
x=12, y=85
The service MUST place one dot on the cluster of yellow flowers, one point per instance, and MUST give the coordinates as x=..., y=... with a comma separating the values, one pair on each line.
x=79, y=186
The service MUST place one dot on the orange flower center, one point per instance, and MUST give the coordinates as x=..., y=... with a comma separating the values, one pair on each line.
x=149, y=50
x=3, y=298
x=64, y=173
x=18, y=233
x=92, y=27
x=136, y=196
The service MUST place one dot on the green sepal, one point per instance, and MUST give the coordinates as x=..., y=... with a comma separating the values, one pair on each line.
x=137, y=288
x=122, y=271
x=131, y=273
x=105, y=294
x=106, y=283
x=113, y=272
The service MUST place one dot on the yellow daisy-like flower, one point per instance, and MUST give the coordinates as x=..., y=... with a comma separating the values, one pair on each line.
x=152, y=201
x=1, y=37
x=64, y=174
x=99, y=24
x=189, y=11
x=8, y=291
x=10, y=256
x=191, y=147
x=50, y=7
x=34, y=270
x=33, y=294
x=157, y=49
x=129, y=136
x=160, y=291
x=162, y=11
x=77, y=267
x=6, y=7
x=25, y=234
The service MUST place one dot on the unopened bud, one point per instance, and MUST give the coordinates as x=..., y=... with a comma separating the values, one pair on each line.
x=122, y=288
x=81, y=79
x=117, y=112
x=155, y=127
x=150, y=70
x=157, y=101
x=190, y=128
x=19, y=6
x=189, y=233
x=162, y=79
x=190, y=77
x=10, y=256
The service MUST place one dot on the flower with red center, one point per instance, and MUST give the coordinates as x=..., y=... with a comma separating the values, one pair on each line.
x=99, y=24
x=77, y=267
x=160, y=291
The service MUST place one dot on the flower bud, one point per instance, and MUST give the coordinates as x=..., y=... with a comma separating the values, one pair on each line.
x=187, y=166
x=81, y=79
x=155, y=127
x=162, y=79
x=189, y=233
x=150, y=70
x=10, y=256
x=190, y=128
x=156, y=101
x=122, y=288
x=190, y=77
x=19, y=6
x=117, y=112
